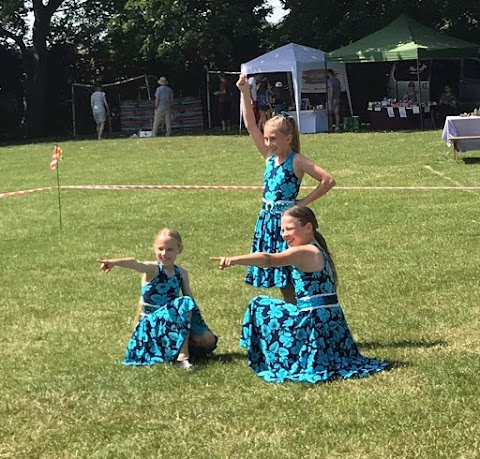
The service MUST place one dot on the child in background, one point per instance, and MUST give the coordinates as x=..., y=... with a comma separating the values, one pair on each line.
x=309, y=341
x=264, y=103
x=285, y=168
x=280, y=98
x=170, y=327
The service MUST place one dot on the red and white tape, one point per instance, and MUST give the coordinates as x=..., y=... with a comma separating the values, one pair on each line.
x=18, y=193
x=237, y=188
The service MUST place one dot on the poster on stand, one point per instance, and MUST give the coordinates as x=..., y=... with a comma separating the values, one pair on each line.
x=314, y=81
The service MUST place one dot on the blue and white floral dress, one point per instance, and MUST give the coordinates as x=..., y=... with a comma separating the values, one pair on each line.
x=165, y=322
x=307, y=342
x=281, y=187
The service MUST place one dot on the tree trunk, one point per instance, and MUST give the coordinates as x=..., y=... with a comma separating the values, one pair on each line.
x=36, y=90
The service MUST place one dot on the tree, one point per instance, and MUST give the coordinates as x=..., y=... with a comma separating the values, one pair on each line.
x=13, y=26
x=330, y=24
x=192, y=34
x=81, y=22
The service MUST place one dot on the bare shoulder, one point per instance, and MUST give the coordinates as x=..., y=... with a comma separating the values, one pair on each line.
x=150, y=264
x=308, y=258
x=300, y=164
x=305, y=249
x=151, y=272
x=183, y=271
x=300, y=159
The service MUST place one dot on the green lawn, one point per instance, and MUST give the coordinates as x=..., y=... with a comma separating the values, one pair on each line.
x=409, y=285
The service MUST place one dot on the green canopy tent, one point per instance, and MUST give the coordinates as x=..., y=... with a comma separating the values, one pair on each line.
x=404, y=39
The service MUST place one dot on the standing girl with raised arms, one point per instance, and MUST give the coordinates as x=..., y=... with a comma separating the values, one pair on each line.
x=170, y=327
x=285, y=167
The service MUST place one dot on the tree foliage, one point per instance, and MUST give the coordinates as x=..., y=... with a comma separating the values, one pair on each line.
x=330, y=24
x=86, y=40
x=190, y=34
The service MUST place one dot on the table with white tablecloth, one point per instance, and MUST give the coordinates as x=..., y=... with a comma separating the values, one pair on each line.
x=462, y=126
x=312, y=121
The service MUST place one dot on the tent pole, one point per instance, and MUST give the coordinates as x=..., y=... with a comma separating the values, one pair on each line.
x=73, y=111
x=293, y=83
x=148, y=88
x=347, y=89
x=420, y=94
x=329, y=128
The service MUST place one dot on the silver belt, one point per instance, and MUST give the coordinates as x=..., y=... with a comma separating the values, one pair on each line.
x=276, y=206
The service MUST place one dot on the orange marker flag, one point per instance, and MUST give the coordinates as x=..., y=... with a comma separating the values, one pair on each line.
x=56, y=156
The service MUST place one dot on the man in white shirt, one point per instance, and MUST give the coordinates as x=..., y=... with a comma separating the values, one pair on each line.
x=163, y=107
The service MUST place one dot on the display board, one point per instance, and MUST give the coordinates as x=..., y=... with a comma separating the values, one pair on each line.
x=135, y=115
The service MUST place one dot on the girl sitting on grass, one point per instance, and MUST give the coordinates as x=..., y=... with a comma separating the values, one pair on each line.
x=309, y=341
x=170, y=327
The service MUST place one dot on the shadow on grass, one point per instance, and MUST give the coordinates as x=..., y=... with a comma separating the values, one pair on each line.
x=404, y=343
x=471, y=160
x=394, y=364
x=226, y=357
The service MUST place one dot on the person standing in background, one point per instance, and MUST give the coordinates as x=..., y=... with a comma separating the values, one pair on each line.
x=264, y=103
x=333, y=95
x=163, y=107
x=279, y=98
x=99, y=104
x=253, y=83
x=224, y=102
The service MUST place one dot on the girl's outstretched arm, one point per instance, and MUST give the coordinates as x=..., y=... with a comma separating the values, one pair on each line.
x=302, y=166
x=305, y=257
x=249, y=116
x=146, y=267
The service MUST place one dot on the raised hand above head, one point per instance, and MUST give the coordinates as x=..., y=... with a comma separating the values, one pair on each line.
x=242, y=82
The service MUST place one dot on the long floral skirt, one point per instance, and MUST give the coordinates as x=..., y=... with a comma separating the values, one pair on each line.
x=286, y=343
x=159, y=336
x=267, y=238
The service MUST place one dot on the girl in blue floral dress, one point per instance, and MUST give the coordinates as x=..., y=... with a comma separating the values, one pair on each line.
x=308, y=341
x=170, y=327
x=285, y=167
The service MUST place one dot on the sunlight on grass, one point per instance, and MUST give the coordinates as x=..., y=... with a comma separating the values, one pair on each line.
x=408, y=272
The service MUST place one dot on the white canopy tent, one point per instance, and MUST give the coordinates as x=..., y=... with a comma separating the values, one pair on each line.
x=297, y=59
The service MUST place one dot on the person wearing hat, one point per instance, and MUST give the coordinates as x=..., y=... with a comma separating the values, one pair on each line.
x=163, y=107
x=279, y=97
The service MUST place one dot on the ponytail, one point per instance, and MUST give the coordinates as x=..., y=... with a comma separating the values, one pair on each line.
x=323, y=244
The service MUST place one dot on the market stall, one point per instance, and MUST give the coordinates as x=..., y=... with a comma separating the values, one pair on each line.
x=388, y=115
x=402, y=40
x=307, y=67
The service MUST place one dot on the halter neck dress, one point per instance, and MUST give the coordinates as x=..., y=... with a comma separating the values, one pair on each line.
x=281, y=187
x=307, y=342
x=165, y=322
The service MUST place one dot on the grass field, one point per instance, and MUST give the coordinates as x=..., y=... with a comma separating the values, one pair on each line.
x=408, y=267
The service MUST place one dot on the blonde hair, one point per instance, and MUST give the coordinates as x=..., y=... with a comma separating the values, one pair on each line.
x=286, y=124
x=174, y=234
